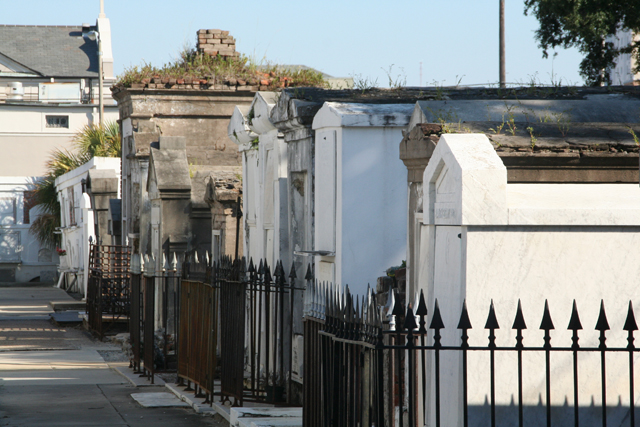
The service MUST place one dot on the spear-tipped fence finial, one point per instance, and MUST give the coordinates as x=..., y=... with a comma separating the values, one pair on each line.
x=292, y=273
x=410, y=321
x=602, y=324
x=436, y=319
x=309, y=275
x=630, y=322
x=546, y=324
x=518, y=322
x=389, y=306
x=574, y=321
x=422, y=305
x=492, y=320
x=397, y=307
x=464, y=322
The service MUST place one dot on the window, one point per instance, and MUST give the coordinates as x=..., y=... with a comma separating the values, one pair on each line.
x=58, y=122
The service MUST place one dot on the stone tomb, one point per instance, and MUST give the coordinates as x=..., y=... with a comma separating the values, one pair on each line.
x=485, y=240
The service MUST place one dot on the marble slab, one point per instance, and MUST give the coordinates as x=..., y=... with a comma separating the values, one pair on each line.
x=158, y=400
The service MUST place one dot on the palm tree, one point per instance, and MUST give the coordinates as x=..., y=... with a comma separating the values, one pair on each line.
x=91, y=141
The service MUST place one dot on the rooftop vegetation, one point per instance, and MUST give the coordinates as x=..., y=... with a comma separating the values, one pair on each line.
x=196, y=66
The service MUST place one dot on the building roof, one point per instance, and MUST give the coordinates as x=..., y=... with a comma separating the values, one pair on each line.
x=51, y=51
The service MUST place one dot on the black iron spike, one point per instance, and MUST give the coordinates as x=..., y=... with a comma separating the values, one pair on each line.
x=630, y=323
x=547, y=323
x=518, y=322
x=260, y=267
x=410, y=320
x=243, y=265
x=465, y=322
x=292, y=273
x=267, y=273
x=309, y=275
x=574, y=321
x=602, y=324
x=397, y=307
x=252, y=268
x=280, y=270
x=436, y=318
x=422, y=305
x=492, y=320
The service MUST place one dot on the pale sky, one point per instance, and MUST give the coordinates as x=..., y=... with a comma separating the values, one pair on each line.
x=455, y=40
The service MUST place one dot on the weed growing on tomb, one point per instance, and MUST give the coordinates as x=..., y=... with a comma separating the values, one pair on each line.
x=563, y=121
x=397, y=82
x=511, y=122
x=533, y=137
x=633, y=135
x=193, y=65
x=363, y=83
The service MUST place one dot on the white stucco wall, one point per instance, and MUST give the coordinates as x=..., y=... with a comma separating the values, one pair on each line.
x=19, y=249
x=555, y=242
x=361, y=192
x=76, y=234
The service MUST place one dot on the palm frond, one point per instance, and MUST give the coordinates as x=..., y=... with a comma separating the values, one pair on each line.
x=91, y=141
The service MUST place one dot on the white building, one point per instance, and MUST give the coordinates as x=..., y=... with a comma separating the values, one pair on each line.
x=48, y=92
x=264, y=171
x=483, y=241
x=80, y=215
x=360, y=192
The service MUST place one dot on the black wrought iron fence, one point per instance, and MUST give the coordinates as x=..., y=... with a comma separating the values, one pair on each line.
x=256, y=318
x=390, y=367
x=108, y=287
x=235, y=325
x=154, y=315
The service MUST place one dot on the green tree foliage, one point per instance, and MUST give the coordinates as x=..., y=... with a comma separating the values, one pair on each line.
x=585, y=24
x=91, y=141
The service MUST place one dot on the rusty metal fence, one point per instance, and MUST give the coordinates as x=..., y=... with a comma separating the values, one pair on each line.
x=228, y=324
x=108, y=301
x=198, y=328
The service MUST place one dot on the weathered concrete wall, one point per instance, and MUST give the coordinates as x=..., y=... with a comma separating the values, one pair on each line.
x=201, y=116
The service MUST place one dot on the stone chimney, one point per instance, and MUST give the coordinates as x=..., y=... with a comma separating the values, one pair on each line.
x=217, y=42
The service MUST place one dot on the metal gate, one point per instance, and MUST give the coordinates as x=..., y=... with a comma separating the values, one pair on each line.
x=108, y=298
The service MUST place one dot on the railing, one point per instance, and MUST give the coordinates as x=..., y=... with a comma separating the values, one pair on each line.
x=136, y=321
x=390, y=367
x=154, y=315
x=108, y=286
x=234, y=323
x=198, y=328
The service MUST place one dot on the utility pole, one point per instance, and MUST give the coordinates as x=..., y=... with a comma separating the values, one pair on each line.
x=503, y=78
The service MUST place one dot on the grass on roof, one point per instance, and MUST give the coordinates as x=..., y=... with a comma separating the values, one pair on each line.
x=222, y=70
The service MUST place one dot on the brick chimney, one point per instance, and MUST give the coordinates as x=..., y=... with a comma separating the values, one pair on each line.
x=217, y=42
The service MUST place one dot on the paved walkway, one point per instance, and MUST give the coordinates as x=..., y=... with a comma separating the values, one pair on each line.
x=61, y=376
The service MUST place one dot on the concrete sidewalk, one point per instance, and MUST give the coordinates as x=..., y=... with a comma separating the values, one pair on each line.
x=62, y=376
